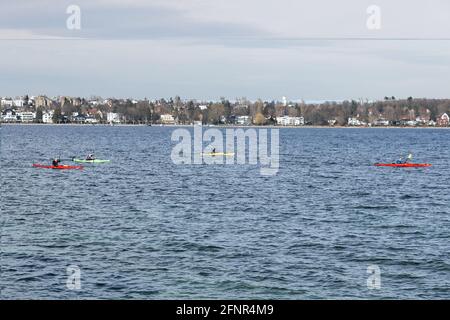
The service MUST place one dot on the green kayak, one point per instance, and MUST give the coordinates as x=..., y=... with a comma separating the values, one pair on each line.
x=91, y=161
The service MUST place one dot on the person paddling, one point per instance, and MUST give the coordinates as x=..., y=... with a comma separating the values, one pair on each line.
x=401, y=161
x=55, y=162
x=90, y=157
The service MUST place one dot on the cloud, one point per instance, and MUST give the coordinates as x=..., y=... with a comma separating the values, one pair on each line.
x=207, y=49
x=101, y=20
x=205, y=19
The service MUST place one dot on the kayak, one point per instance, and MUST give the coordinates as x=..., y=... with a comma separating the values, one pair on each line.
x=60, y=167
x=91, y=161
x=403, y=165
x=213, y=154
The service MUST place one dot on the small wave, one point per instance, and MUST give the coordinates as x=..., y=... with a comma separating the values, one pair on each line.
x=409, y=196
x=375, y=207
x=361, y=194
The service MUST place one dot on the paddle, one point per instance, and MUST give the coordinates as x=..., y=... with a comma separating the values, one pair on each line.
x=59, y=158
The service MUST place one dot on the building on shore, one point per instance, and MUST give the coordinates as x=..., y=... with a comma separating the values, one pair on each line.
x=7, y=102
x=9, y=115
x=381, y=122
x=167, y=119
x=243, y=120
x=47, y=116
x=42, y=102
x=355, y=122
x=91, y=120
x=332, y=122
x=26, y=116
x=19, y=103
x=113, y=117
x=290, y=121
x=78, y=118
x=443, y=120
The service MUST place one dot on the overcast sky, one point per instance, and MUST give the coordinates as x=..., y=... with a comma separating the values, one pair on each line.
x=206, y=49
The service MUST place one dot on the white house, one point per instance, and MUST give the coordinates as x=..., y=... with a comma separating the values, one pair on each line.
x=332, y=122
x=167, y=119
x=203, y=107
x=47, y=116
x=443, y=120
x=26, y=116
x=9, y=115
x=19, y=103
x=243, y=120
x=7, y=102
x=381, y=122
x=290, y=121
x=113, y=117
x=91, y=120
x=355, y=122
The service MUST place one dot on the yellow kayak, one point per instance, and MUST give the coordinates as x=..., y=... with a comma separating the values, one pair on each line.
x=214, y=154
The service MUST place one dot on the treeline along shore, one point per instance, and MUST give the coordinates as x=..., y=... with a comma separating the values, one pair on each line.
x=241, y=112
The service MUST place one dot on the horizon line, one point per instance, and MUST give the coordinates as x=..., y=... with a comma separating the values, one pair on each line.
x=327, y=38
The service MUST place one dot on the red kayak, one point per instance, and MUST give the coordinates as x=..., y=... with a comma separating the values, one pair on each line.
x=403, y=165
x=60, y=167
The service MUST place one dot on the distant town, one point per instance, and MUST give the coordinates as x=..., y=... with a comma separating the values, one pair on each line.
x=177, y=111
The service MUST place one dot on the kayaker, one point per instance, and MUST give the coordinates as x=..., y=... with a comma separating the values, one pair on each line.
x=90, y=157
x=213, y=150
x=401, y=161
x=55, y=162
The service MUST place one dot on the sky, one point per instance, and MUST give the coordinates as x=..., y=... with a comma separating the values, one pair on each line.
x=207, y=49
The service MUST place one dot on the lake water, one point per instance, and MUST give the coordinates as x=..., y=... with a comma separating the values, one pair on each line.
x=142, y=227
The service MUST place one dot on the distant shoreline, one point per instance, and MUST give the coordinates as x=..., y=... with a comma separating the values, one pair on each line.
x=216, y=126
